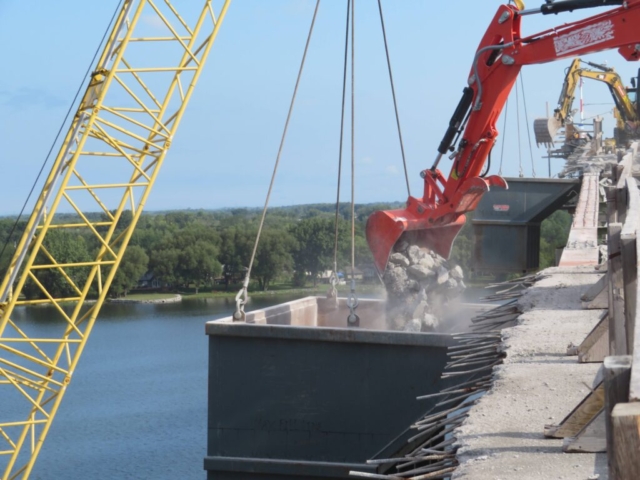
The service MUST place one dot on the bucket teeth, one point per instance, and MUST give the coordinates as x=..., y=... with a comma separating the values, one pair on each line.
x=545, y=130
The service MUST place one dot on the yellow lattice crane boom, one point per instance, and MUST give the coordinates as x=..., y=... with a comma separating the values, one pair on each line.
x=108, y=162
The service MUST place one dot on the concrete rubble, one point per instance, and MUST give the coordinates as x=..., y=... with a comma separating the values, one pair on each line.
x=419, y=284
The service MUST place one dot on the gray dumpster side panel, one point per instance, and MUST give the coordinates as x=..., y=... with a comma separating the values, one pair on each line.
x=224, y=468
x=293, y=397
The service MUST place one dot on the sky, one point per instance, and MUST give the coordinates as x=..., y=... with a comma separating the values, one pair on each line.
x=225, y=149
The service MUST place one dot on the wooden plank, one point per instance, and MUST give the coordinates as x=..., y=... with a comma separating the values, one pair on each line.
x=595, y=290
x=630, y=280
x=617, y=336
x=626, y=434
x=591, y=439
x=595, y=347
x=597, y=297
x=612, y=197
x=634, y=388
x=628, y=240
x=582, y=244
x=580, y=416
x=617, y=373
x=600, y=302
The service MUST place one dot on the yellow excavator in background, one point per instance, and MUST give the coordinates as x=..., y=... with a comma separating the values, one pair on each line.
x=625, y=112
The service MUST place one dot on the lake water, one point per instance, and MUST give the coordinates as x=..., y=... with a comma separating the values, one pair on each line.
x=137, y=405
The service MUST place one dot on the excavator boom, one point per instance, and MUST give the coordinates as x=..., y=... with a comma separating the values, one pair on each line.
x=545, y=129
x=436, y=217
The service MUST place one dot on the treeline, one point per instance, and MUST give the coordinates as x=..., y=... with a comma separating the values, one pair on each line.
x=181, y=249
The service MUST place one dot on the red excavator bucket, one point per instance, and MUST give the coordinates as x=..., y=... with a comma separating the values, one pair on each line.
x=425, y=224
x=386, y=228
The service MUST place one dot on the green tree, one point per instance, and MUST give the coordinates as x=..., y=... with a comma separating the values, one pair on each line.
x=188, y=255
x=273, y=257
x=163, y=262
x=554, y=232
x=462, y=251
x=64, y=247
x=315, y=246
x=197, y=263
x=235, y=252
x=133, y=266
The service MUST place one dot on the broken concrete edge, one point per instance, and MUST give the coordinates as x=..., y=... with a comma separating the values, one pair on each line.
x=479, y=354
x=585, y=440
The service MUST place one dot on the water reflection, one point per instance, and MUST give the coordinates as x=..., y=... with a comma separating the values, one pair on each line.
x=137, y=406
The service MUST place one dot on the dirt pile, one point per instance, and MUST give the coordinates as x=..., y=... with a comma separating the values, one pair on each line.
x=419, y=285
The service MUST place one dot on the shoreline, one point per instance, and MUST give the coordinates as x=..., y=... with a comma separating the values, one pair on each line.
x=177, y=298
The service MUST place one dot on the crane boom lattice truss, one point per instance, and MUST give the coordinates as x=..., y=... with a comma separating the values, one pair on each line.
x=108, y=163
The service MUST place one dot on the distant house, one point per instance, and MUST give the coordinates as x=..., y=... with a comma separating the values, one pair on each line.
x=325, y=277
x=357, y=273
x=369, y=273
x=148, y=280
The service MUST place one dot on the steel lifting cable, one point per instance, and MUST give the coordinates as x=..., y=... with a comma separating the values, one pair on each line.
x=521, y=173
x=62, y=125
x=352, y=300
x=393, y=93
x=526, y=118
x=333, y=292
x=504, y=134
x=242, y=296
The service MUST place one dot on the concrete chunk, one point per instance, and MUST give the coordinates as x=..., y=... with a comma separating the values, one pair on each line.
x=415, y=254
x=420, y=272
x=457, y=273
x=443, y=275
x=399, y=259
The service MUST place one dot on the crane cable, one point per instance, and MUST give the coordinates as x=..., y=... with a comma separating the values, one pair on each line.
x=521, y=172
x=333, y=280
x=353, y=320
x=62, y=125
x=393, y=93
x=526, y=117
x=242, y=296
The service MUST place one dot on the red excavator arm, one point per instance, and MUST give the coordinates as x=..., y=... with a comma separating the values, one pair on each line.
x=434, y=220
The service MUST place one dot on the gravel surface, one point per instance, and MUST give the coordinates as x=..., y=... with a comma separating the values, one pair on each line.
x=537, y=385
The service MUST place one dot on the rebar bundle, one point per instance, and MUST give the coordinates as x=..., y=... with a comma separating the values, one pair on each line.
x=471, y=364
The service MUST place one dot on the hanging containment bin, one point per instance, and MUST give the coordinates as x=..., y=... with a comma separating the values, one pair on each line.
x=295, y=394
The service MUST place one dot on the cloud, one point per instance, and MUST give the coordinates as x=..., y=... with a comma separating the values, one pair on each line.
x=392, y=169
x=26, y=97
x=299, y=7
x=154, y=21
x=367, y=160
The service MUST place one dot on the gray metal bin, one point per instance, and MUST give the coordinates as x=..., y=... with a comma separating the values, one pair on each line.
x=294, y=395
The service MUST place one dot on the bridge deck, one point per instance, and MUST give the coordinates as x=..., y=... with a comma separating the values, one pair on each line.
x=582, y=245
x=538, y=384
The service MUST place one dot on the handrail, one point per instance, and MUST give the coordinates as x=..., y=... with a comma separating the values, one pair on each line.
x=622, y=368
x=630, y=231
